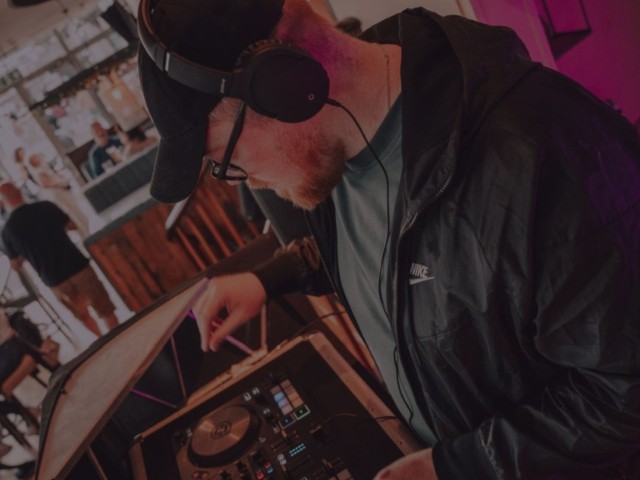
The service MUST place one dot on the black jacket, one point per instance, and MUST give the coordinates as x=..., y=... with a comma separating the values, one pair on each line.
x=515, y=258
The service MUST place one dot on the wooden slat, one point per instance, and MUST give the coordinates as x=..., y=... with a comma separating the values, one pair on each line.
x=220, y=214
x=189, y=248
x=202, y=245
x=143, y=262
x=213, y=229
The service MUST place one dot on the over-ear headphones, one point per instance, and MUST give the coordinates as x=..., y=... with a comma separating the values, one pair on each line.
x=274, y=79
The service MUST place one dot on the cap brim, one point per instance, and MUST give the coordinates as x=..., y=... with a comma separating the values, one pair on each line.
x=178, y=165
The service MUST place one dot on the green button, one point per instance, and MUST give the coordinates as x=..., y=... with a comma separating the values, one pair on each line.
x=302, y=411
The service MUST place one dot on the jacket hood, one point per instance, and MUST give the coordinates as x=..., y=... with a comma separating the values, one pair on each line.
x=459, y=69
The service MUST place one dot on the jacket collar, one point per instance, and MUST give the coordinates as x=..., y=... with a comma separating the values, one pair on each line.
x=454, y=71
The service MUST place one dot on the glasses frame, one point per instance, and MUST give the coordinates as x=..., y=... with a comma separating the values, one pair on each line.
x=225, y=170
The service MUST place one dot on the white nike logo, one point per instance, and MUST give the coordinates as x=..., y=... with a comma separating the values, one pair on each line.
x=419, y=273
x=413, y=281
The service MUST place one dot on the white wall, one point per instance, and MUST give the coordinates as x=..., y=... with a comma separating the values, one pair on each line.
x=607, y=62
x=372, y=11
x=522, y=16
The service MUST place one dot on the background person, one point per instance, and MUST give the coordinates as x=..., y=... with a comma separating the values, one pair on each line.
x=19, y=155
x=37, y=232
x=19, y=337
x=102, y=153
x=134, y=141
x=56, y=188
x=479, y=216
x=23, y=179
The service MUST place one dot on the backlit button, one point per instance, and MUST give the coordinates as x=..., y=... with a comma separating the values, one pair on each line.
x=301, y=412
x=286, y=421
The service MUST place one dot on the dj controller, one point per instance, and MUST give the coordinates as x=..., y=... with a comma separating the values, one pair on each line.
x=300, y=413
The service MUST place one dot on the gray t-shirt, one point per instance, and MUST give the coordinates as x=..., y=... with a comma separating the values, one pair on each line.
x=361, y=223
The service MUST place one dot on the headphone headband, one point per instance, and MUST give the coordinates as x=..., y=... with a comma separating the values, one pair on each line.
x=199, y=77
x=275, y=80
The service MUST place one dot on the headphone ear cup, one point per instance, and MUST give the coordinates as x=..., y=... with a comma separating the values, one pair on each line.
x=283, y=82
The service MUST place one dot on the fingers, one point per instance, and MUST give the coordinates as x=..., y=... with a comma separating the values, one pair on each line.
x=240, y=295
x=206, y=311
x=225, y=327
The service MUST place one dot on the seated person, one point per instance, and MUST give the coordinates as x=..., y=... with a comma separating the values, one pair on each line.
x=103, y=153
x=134, y=141
x=45, y=176
x=11, y=351
x=22, y=347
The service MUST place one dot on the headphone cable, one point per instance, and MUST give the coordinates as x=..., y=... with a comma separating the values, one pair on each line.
x=335, y=103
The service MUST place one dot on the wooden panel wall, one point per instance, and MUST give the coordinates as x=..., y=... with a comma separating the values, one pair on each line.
x=143, y=261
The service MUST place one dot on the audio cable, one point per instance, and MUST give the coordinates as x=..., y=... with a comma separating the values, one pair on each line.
x=335, y=103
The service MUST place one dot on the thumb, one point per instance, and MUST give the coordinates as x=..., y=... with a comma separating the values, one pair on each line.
x=236, y=319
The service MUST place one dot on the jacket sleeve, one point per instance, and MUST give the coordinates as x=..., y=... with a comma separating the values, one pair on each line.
x=585, y=423
x=294, y=268
x=582, y=312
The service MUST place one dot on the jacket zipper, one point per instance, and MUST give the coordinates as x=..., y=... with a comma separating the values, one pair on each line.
x=411, y=373
x=337, y=287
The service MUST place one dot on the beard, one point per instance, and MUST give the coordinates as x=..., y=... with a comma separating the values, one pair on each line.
x=320, y=165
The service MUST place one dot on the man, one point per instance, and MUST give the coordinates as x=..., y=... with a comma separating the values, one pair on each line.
x=37, y=232
x=486, y=240
x=56, y=187
x=102, y=152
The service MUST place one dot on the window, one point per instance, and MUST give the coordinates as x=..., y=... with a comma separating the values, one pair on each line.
x=80, y=31
x=98, y=51
x=39, y=86
x=71, y=118
x=34, y=56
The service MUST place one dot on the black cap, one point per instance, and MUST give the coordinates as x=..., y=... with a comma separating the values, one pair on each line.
x=212, y=33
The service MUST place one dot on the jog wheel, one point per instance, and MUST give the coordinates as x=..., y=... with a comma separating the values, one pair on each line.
x=222, y=436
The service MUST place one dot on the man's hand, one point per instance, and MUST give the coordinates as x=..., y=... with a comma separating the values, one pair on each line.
x=415, y=466
x=241, y=295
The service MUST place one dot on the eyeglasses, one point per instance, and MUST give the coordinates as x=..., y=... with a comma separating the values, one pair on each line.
x=226, y=170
